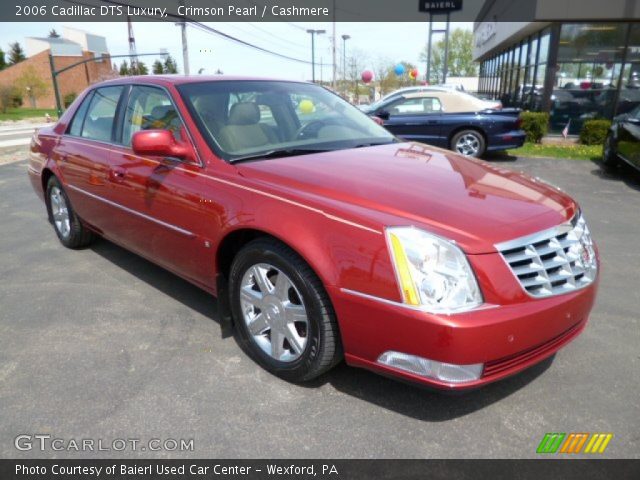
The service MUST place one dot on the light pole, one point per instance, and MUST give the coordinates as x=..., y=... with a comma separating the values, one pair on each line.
x=313, y=51
x=344, y=62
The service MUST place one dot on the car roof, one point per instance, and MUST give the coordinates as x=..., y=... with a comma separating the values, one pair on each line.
x=178, y=79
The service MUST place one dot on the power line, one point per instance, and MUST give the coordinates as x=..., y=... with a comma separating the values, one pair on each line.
x=214, y=31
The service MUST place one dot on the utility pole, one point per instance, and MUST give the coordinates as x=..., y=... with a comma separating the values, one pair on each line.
x=133, y=57
x=344, y=62
x=313, y=51
x=185, y=49
x=333, y=47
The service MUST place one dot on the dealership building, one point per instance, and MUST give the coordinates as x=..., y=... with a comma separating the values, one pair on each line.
x=576, y=59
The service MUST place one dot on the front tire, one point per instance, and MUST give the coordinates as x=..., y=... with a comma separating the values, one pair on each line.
x=469, y=143
x=66, y=223
x=282, y=315
x=609, y=157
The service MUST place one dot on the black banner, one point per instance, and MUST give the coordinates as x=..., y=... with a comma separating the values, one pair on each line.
x=320, y=469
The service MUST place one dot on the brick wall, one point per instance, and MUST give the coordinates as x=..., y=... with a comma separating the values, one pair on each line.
x=74, y=80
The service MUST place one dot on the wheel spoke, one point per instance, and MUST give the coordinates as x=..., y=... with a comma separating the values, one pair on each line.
x=252, y=297
x=258, y=325
x=295, y=340
x=283, y=284
x=260, y=277
x=295, y=313
x=277, y=344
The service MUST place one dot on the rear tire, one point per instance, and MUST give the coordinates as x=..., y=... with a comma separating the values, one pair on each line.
x=66, y=223
x=610, y=159
x=469, y=143
x=282, y=314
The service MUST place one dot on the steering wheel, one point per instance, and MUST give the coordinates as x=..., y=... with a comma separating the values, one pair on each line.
x=310, y=130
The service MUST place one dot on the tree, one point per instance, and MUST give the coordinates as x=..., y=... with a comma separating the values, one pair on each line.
x=16, y=54
x=32, y=84
x=124, y=69
x=53, y=33
x=9, y=97
x=157, y=68
x=3, y=62
x=170, y=65
x=138, y=68
x=460, y=63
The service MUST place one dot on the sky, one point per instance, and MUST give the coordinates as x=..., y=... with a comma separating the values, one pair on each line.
x=394, y=42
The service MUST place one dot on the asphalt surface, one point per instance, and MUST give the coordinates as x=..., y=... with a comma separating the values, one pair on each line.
x=102, y=344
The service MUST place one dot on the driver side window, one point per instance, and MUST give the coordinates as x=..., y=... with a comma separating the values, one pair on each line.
x=150, y=108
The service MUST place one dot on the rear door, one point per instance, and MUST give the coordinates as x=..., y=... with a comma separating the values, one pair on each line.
x=416, y=118
x=84, y=155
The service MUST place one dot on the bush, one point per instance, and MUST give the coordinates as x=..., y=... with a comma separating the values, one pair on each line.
x=9, y=98
x=69, y=98
x=535, y=125
x=594, y=132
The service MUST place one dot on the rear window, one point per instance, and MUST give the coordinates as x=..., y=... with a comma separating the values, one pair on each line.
x=95, y=117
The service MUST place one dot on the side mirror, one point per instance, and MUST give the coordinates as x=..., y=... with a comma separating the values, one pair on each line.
x=383, y=114
x=159, y=143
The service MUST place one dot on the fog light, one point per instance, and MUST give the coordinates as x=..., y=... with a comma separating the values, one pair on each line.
x=445, y=372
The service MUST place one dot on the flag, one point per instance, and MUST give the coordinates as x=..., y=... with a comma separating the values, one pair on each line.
x=565, y=132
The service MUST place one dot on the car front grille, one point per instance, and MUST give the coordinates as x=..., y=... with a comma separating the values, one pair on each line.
x=553, y=262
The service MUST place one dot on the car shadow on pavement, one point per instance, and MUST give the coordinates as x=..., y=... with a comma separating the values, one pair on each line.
x=404, y=398
x=622, y=173
x=159, y=278
x=499, y=157
x=421, y=403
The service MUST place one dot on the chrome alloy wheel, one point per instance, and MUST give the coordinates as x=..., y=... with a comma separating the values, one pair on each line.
x=468, y=144
x=60, y=212
x=274, y=313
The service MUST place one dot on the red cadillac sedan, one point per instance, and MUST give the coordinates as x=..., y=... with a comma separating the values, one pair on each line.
x=322, y=235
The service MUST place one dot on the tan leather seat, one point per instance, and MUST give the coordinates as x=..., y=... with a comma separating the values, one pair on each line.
x=244, y=130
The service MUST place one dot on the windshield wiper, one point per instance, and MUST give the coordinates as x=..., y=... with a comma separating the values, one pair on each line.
x=375, y=144
x=278, y=153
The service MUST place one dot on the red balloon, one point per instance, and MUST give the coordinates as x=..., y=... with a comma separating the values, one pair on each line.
x=414, y=73
x=367, y=76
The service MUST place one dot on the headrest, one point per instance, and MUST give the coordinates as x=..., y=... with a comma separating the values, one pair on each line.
x=161, y=111
x=244, y=113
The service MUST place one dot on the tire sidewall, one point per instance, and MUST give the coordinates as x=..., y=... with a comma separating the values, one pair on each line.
x=475, y=133
x=297, y=369
x=54, y=182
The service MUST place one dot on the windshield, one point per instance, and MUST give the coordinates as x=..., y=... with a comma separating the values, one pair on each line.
x=244, y=119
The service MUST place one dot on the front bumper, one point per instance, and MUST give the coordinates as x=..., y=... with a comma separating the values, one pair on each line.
x=506, y=339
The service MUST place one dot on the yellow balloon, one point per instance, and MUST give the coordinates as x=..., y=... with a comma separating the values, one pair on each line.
x=307, y=106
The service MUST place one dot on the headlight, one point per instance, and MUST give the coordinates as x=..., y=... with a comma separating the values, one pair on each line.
x=432, y=272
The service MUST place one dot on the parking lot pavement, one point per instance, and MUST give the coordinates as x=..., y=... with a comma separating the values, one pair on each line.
x=101, y=344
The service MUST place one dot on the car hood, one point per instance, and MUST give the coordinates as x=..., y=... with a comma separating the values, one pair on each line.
x=469, y=201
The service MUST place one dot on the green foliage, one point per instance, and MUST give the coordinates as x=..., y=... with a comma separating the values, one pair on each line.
x=157, y=68
x=594, y=132
x=561, y=152
x=460, y=61
x=16, y=54
x=535, y=125
x=170, y=65
x=3, y=62
x=124, y=69
x=69, y=98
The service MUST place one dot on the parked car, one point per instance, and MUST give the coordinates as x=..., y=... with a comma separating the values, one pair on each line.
x=321, y=234
x=462, y=97
x=452, y=120
x=623, y=141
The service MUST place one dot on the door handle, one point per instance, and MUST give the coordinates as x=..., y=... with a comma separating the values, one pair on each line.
x=117, y=174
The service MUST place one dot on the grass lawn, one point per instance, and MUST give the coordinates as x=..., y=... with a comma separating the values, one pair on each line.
x=22, y=113
x=571, y=152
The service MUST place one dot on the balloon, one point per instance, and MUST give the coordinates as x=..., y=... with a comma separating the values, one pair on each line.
x=306, y=106
x=399, y=69
x=367, y=76
x=414, y=73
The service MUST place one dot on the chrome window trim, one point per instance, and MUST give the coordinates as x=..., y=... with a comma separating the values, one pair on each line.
x=199, y=162
x=134, y=212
